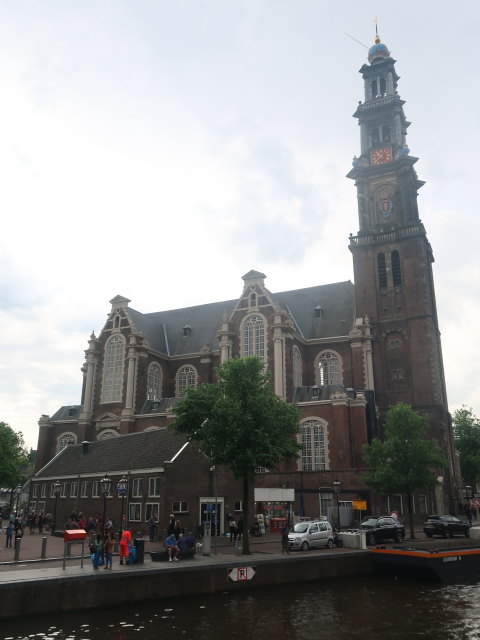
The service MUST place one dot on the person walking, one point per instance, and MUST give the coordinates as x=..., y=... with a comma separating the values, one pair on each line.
x=152, y=527
x=124, y=544
x=97, y=550
x=285, y=545
x=108, y=548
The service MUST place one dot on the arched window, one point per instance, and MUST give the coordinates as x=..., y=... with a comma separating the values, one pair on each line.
x=313, y=437
x=329, y=368
x=116, y=322
x=65, y=439
x=113, y=369
x=253, y=333
x=297, y=367
x=154, y=382
x=107, y=434
x=186, y=377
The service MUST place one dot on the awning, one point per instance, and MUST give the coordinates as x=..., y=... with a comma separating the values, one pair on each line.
x=274, y=495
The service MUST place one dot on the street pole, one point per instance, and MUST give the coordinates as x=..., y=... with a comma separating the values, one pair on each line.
x=105, y=485
x=122, y=489
x=56, y=493
x=18, y=491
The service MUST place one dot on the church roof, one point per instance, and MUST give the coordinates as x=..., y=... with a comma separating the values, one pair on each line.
x=165, y=329
x=145, y=450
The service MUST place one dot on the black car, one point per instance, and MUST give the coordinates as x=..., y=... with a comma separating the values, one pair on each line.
x=446, y=526
x=383, y=528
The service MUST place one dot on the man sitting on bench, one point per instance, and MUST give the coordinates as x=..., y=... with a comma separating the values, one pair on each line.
x=172, y=547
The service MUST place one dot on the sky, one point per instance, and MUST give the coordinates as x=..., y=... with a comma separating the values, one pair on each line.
x=160, y=149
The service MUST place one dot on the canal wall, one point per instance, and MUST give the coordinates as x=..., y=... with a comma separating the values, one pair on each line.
x=54, y=591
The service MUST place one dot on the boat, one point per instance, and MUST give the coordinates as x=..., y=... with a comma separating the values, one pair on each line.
x=427, y=564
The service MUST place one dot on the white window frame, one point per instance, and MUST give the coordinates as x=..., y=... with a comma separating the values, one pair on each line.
x=136, y=484
x=95, y=489
x=34, y=489
x=43, y=490
x=32, y=506
x=41, y=506
x=65, y=439
x=187, y=376
x=314, y=438
x=182, y=506
x=113, y=369
x=63, y=490
x=154, y=487
x=74, y=489
x=84, y=489
x=328, y=368
x=238, y=505
x=154, y=381
x=151, y=507
x=135, y=512
x=253, y=332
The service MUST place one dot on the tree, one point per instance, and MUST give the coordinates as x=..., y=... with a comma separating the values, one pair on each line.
x=466, y=430
x=240, y=423
x=13, y=456
x=406, y=460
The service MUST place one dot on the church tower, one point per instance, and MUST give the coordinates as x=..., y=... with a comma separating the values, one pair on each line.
x=392, y=259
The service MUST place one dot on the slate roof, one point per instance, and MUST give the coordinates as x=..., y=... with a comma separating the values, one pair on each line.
x=164, y=329
x=145, y=450
x=68, y=412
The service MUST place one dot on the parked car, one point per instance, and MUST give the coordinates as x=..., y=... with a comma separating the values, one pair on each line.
x=312, y=533
x=446, y=526
x=383, y=528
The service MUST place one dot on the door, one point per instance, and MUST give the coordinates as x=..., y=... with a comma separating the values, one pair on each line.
x=211, y=512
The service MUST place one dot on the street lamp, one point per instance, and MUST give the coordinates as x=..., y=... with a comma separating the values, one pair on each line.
x=336, y=489
x=56, y=492
x=18, y=491
x=122, y=489
x=105, y=485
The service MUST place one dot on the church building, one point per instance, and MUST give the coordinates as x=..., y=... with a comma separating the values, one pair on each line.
x=343, y=352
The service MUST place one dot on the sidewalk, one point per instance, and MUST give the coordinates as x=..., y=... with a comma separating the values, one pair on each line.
x=31, y=549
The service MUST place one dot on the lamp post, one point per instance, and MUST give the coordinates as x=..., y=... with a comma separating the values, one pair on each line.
x=56, y=492
x=105, y=486
x=336, y=489
x=18, y=491
x=122, y=489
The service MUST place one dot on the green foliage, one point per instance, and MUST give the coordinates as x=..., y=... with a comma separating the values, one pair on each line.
x=406, y=460
x=466, y=430
x=13, y=456
x=240, y=422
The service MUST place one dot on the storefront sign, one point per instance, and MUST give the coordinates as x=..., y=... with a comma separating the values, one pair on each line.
x=360, y=505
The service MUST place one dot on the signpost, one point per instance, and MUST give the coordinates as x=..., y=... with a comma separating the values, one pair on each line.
x=241, y=574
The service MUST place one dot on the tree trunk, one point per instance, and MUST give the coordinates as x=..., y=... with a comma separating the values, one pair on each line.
x=246, y=516
x=410, y=515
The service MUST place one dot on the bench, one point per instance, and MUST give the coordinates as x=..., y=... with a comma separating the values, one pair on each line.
x=162, y=556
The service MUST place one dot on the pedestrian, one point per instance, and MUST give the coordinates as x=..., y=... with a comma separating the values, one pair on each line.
x=10, y=529
x=172, y=548
x=152, y=527
x=108, y=548
x=233, y=529
x=171, y=525
x=96, y=550
x=178, y=529
x=285, y=545
x=239, y=531
x=467, y=511
x=124, y=543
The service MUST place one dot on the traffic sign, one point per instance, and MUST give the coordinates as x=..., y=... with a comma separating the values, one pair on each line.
x=241, y=574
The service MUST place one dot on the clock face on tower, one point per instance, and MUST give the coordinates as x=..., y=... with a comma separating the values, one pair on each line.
x=381, y=156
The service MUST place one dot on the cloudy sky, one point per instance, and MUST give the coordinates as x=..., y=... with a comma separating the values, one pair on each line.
x=160, y=149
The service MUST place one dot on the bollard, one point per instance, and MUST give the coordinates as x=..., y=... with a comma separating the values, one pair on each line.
x=44, y=548
x=17, y=549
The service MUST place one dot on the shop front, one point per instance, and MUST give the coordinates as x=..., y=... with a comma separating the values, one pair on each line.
x=274, y=508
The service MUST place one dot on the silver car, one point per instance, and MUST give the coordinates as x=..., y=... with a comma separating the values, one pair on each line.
x=314, y=533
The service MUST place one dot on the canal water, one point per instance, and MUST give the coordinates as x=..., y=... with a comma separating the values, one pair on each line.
x=358, y=609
